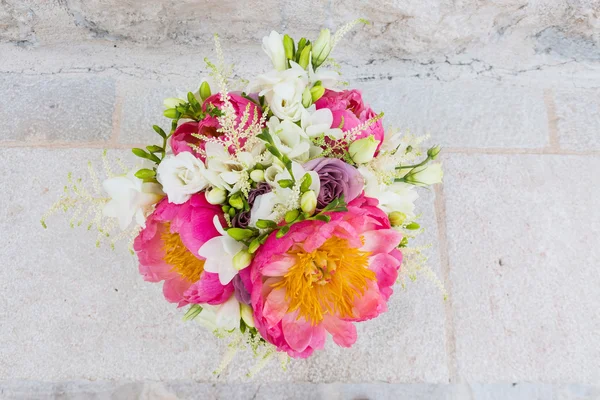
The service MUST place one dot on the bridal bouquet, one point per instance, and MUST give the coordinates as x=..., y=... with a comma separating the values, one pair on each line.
x=278, y=213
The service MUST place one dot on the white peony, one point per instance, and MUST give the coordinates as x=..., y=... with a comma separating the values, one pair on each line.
x=131, y=198
x=181, y=176
x=283, y=91
x=273, y=46
x=219, y=252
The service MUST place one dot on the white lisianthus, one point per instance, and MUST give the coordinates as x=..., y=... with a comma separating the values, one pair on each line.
x=219, y=253
x=283, y=91
x=291, y=140
x=131, y=198
x=426, y=175
x=181, y=176
x=274, y=205
x=395, y=197
x=273, y=46
x=222, y=316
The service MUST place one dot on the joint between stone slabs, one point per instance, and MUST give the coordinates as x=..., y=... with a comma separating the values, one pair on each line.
x=538, y=151
x=450, y=329
x=67, y=145
x=116, y=117
x=553, y=138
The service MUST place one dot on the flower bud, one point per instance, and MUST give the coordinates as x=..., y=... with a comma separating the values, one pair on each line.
x=257, y=175
x=173, y=102
x=247, y=315
x=433, y=152
x=205, y=91
x=288, y=46
x=425, y=175
x=216, y=196
x=397, y=218
x=291, y=216
x=316, y=92
x=321, y=48
x=308, y=202
x=306, y=98
x=236, y=201
x=242, y=259
x=305, y=56
x=362, y=150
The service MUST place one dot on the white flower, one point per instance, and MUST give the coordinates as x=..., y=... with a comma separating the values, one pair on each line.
x=362, y=150
x=319, y=122
x=328, y=78
x=130, y=198
x=273, y=46
x=274, y=205
x=283, y=91
x=222, y=316
x=181, y=176
x=219, y=252
x=227, y=171
x=395, y=197
x=425, y=175
x=291, y=140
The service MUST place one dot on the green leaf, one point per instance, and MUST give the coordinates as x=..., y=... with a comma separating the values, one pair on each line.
x=265, y=224
x=145, y=173
x=159, y=130
x=273, y=150
x=242, y=326
x=282, y=231
x=323, y=217
x=140, y=153
x=154, y=149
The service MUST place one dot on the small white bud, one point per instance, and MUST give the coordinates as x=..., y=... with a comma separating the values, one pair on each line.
x=363, y=150
x=216, y=196
x=247, y=315
x=308, y=202
x=257, y=175
x=242, y=259
x=173, y=102
x=426, y=175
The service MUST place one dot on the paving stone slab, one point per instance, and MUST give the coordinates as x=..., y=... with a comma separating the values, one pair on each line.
x=50, y=108
x=522, y=236
x=578, y=119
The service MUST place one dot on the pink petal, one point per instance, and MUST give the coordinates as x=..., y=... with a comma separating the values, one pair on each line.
x=275, y=307
x=278, y=267
x=298, y=333
x=173, y=290
x=381, y=241
x=343, y=332
x=209, y=290
x=385, y=267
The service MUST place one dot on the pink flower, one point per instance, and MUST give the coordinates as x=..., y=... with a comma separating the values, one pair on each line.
x=183, y=135
x=167, y=249
x=322, y=277
x=347, y=106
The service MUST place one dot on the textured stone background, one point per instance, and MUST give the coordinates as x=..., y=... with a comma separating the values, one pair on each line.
x=510, y=89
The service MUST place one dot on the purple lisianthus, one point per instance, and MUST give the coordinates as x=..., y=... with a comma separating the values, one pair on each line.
x=337, y=178
x=242, y=219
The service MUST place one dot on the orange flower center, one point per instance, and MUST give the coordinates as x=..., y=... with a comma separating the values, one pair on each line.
x=176, y=254
x=326, y=281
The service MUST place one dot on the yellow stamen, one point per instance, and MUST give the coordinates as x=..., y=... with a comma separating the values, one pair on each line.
x=326, y=281
x=176, y=254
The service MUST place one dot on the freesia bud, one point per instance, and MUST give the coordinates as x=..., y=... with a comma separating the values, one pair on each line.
x=288, y=46
x=257, y=175
x=397, y=218
x=306, y=98
x=216, y=196
x=426, y=175
x=236, y=201
x=362, y=150
x=322, y=48
x=308, y=202
x=247, y=315
x=205, y=91
x=316, y=92
x=305, y=56
x=291, y=216
x=433, y=152
x=242, y=259
x=173, y=102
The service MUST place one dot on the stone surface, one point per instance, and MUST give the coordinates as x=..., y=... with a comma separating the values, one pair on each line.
x=522, y=234
x=120, y=327
x=39, y=109
x=578, y=114
x=462, y=113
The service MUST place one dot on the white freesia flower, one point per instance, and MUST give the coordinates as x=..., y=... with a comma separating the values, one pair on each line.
x=292, y=140
x=328, y=78
x=222, y=316
x=181, y=176
x=227, y=171
x=273, y=205
x=219, y=252
x=395, y=197
x=319, y=122
x=273, y=46
x=131, y=198
x=283, y=91
x=426, y=175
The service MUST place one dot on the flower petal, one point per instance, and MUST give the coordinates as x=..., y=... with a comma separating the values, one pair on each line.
x=381, y=241
x=343, y=332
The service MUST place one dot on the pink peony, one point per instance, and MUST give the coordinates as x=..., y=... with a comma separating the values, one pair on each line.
x=183, y=135
x=167, y=249
x=348, y=106
x=321, y=277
